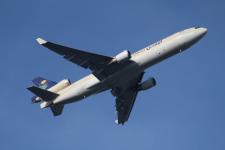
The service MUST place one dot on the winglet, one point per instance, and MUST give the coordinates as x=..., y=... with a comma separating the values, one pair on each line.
x=41, y=41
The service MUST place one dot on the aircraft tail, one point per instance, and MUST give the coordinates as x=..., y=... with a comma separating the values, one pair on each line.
x=45, y=95
x=42, y=94
x=43, y=84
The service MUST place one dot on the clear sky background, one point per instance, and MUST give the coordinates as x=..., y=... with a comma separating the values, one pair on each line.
x=185, y=111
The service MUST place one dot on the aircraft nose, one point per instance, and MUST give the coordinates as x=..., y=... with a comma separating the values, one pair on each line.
x=202, y=31
x=193, y=35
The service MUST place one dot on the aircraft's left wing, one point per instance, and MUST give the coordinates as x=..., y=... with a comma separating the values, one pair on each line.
x=94, y=62
x=125, y=97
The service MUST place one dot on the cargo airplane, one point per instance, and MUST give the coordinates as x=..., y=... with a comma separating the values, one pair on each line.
x=122, y=74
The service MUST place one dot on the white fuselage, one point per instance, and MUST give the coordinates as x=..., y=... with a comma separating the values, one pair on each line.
x=142, y=59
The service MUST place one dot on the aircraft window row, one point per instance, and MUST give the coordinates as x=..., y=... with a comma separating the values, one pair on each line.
x=154, y=44
x=139, y=51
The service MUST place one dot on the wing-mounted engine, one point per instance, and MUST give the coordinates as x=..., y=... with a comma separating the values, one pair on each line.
x=149, y=83
x=122, y=57
x=49, y=85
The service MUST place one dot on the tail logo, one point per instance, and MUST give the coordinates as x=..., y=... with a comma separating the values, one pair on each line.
x=43, y=84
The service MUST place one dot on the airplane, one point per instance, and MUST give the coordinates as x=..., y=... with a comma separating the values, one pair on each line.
x=122, y=74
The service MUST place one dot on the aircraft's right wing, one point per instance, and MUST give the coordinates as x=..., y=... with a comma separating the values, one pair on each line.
x=125, y=97
x=94, y=62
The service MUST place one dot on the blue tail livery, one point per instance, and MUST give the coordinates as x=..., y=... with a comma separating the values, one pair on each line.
x=43, y=84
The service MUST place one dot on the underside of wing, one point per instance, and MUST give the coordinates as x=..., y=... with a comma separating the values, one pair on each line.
x=125, y=98
x=94, y=62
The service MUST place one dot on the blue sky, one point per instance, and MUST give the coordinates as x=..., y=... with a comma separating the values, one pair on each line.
x=184, y=111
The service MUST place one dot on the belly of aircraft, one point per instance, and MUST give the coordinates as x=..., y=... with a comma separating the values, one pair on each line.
x=90, y=85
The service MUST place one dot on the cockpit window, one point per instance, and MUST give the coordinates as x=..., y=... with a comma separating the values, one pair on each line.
x=197, y=27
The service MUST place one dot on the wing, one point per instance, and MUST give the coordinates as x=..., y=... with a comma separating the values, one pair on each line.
x=125, y=97
x=94, y=62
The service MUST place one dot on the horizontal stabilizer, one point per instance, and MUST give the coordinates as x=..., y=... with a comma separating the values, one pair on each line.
x=43, y=94
x=57, y=109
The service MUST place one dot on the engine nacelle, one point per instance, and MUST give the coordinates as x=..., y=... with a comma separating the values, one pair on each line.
x=59, y=86
x=123, y=56
x=149, y=83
